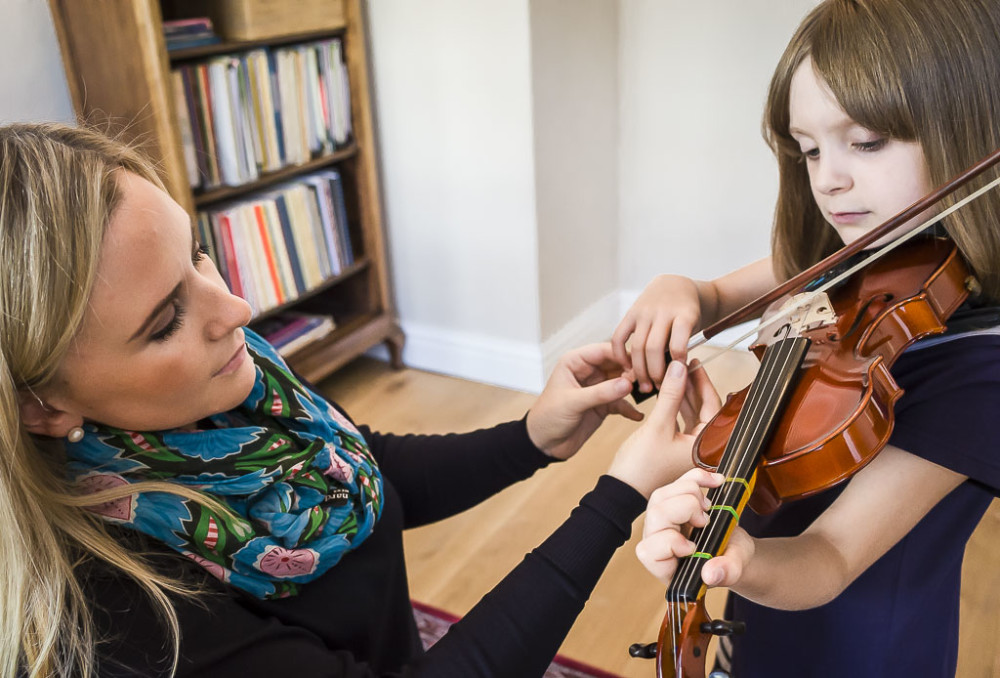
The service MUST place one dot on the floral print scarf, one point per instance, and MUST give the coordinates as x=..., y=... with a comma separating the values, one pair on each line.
x=298, y=477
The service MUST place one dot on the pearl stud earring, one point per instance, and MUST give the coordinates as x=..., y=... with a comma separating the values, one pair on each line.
x=75, y=434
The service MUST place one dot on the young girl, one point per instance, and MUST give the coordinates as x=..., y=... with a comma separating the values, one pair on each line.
x=173, y=500
x=873, y=104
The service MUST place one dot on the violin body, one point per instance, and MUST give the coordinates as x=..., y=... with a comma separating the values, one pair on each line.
x=841, y=413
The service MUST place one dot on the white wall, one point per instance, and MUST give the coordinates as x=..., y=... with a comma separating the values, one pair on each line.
x=499, y=152
x=574, y=58
x=647, y=158
x=697, y=181
x=32, y=83
x=453, y=103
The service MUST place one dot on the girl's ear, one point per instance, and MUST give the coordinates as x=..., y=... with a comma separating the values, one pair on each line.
x=45, y=420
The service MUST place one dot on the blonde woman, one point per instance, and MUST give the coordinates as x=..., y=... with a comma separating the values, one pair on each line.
x=174, y=501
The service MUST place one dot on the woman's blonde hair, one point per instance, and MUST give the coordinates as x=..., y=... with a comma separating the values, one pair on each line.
x=915, y=70
x=58, y=191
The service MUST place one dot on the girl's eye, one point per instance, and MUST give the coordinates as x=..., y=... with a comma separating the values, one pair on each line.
x=871, y=146
x=172, y=326
x=810, y=154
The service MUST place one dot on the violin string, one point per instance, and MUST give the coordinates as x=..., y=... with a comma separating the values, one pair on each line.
x=742, y=463
x=699, y=339
x=677, y=633
x=730, y=465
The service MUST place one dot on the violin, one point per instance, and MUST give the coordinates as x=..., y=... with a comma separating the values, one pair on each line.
x=821, y=405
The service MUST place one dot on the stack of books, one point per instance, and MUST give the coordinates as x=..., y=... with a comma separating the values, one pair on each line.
x=185, y=33
x=258, y=111
x=288, y=332
x=276, y=245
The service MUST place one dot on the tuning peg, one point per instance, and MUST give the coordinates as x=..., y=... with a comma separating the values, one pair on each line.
x=642, y=650
x=721, y=627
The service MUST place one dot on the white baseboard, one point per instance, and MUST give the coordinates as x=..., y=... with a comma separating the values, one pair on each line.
x=594, y=323
x=523, y=366
x=519, y=365
x=501, y=362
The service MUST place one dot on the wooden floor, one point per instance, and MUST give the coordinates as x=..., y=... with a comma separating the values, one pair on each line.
x=454, y=562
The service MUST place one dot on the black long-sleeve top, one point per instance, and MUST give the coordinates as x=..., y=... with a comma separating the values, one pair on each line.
x=356, y=619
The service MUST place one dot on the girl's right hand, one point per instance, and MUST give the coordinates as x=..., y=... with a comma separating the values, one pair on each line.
x=659, y=451
x=665, y=315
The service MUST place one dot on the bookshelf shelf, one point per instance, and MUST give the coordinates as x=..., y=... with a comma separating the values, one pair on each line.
x=358, y=267
x=206, y=198
x=329, y=353
x=229, y=46
x=106, y=44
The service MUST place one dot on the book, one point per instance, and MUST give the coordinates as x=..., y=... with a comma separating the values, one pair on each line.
x=342, y=92
x=184, y=123
x=315, y=265
x=185, y=33
x=288, y=332
x=253, y=261
x=266, y=250
x=279, y=119
x=242, y=121
x=175, y=43
x=294, y=258
x=323, y=201
x=316, y=223
x=197, y=133
x=221, y=221
x=204, y=107
x=340, y=210
x=282, y=256
x=195, y=26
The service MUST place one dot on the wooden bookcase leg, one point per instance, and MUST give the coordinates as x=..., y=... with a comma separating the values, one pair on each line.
x=394, y=342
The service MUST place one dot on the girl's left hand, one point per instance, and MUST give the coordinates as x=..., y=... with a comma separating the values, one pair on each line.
x=585, y=386
x=672, y=512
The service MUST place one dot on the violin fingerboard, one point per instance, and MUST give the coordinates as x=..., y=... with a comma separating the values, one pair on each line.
x=754, y=427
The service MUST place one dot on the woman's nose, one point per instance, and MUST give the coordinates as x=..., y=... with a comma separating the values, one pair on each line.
x=230, y=312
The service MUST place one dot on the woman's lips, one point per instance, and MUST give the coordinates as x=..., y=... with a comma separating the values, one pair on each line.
x=238, y=357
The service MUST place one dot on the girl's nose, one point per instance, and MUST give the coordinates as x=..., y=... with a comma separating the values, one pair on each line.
x=830, y=175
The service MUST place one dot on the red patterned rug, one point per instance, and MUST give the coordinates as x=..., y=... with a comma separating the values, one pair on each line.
x=433, y=623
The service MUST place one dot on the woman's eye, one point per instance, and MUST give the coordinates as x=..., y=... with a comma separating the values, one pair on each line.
x=175, y=324
x=810, y=154
x=200, y=252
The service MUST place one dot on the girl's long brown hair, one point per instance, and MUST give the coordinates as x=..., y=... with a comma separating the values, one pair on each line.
x=915, y=70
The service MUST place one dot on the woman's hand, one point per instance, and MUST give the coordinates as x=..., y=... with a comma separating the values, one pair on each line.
x=585, y=386
x=659, y=451
x=667, y=312
x=672, y=512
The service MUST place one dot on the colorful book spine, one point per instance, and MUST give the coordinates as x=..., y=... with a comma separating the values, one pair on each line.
x=288, y=236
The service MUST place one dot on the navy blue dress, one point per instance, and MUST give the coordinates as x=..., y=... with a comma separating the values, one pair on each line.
x=899, y=618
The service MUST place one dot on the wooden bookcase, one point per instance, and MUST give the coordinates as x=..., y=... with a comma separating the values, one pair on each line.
x=118, y=68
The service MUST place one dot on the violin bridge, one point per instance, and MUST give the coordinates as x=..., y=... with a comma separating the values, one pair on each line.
x=801, y=313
